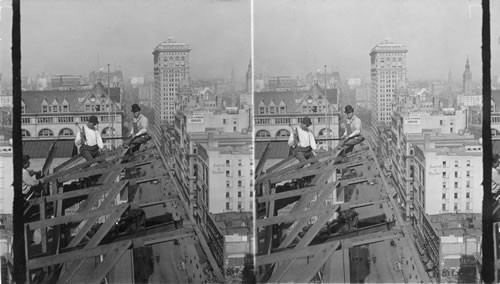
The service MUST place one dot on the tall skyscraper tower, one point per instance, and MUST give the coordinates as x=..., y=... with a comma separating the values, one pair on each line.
x=467, y=79
x=388, y=67
x=171, y=66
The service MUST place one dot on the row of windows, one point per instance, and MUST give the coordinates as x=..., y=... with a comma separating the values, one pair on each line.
x=455, y=195
x=228, y=205
x=228, y=194
x=240, y=163
x=286, y=133
x=240, y=183
x=272, y=110
x=64, y=132
x=445, y=184
x=455, y=206
x=457, y=163
x=61, y=119
x=467, y=174
x=240, y=173
x=54, y=108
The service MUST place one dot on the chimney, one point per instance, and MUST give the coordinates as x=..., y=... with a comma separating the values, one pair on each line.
x=427, y=141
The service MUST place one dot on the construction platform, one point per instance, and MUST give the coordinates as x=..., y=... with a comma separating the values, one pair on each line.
x=331, y=219
x=119, y=218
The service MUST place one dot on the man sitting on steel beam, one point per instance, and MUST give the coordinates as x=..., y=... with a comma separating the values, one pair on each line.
x=31, y=185
x=352, y=135
x=302, y=141
x=139, y=131
x=89, y=140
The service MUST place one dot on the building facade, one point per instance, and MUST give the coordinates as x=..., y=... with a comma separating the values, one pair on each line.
x=388, y=67
x=277, y=112
x=230, y=179
x=171, y=66
x=55, y=113
x=447, y=179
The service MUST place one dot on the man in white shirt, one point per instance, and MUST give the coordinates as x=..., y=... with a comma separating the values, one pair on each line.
x=302, y=141
x=352, y=135
x=89, y=140
x=30, y=183
x=139, y=130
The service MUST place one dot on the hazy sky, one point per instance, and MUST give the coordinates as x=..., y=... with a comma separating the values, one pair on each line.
x=74, y=36
x=293, y=37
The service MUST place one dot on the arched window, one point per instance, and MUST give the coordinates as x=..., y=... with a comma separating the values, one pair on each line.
x=283, y=133
x=262, y=134
x=45, y=132
x=325, y=131
x=25, y=133
x=108, y=131
x=66, y=132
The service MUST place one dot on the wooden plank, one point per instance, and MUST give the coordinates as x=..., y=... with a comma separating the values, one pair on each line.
x=72, y=218
x=110, y=260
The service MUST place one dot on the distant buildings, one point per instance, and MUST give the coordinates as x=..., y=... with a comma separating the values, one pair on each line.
x=49, y=114
x=171, y=65
x=467, y=79
x=388, y=67
x=65, y=81
x=114, y=78
x=363, y=96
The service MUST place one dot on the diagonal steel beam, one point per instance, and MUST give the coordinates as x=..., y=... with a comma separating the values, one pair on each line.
x=263, y=159
x=89, y=223
x=73, y=193
x=71, y=218
x=292, y=217
x=304, y=242
x=94, y=241
x=297, y=192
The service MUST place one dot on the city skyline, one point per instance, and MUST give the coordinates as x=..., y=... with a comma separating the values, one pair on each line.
x=124, y=33
x=353, y=28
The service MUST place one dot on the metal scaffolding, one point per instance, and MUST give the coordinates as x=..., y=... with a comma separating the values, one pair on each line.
x=310, y=215
x=92, y=215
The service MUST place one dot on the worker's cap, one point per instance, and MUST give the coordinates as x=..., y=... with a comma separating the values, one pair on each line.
x=94, y=120
x=307, y=121
x=136, y=108
x=349, y=109
x=26, y=158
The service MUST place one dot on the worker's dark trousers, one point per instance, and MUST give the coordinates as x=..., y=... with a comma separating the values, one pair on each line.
x=136, y=142
x=89, y=152
x=349, y=144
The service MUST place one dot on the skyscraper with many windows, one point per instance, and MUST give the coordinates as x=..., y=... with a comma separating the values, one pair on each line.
x=388, y=67
x=171, y=66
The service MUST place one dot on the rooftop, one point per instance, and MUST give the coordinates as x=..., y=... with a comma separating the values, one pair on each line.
x=457, y=224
